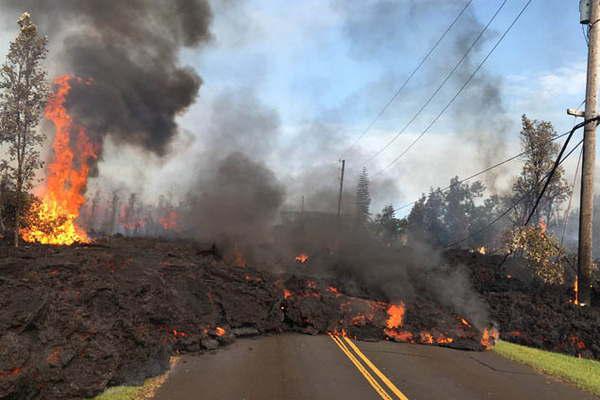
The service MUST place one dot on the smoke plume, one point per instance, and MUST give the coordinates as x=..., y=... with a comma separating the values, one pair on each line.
x=128, y=50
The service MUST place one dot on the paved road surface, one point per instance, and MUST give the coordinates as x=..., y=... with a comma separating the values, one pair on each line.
x=301, y=367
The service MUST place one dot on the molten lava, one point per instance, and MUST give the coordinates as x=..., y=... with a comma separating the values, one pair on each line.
x=302, y=258
x=489, y=337
x=54, y=219
x=334, y=290
x=465, y=322
x=220, y=331
x=395, y=315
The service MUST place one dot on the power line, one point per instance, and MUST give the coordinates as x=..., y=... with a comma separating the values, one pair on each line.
x=410, y=76
x=546, y=178
x=439, y=88
x=460, y=90
x=564, y=229
x=476, y=174
x=552, y=171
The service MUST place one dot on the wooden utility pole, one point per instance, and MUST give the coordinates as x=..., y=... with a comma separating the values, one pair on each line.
x=339, y=213
x=584, y=264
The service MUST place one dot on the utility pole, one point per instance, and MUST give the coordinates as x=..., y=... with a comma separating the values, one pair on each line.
x=584, y=263
x=339, y=213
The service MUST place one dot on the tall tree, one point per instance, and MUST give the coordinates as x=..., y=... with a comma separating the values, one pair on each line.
x=387, y=227
x=433, y=219
x=363, y=199
x=23, y=95
x=425, y=222
x=540, y=154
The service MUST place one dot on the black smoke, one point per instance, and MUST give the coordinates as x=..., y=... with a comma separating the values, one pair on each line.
x=129, y=51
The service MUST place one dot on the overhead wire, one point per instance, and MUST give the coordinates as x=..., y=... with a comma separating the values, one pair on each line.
x=440, y=86
x=547, y=178
x=458, y=93
x=487, y=169
x=568, y=210
x=408, y=79
x=513, y=205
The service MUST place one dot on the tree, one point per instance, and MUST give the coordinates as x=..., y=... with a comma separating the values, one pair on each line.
x=363, y=199
x=24, y=91
x=425, y=221
x=486, y=229
x=459, y=207
x=541, y=251
x=387, y=226
x=540, y=154
x=433, y=219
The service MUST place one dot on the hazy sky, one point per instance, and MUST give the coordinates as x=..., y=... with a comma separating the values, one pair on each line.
x=321, y=70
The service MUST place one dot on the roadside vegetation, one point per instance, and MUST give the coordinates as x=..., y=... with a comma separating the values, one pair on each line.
x=144, y=392
x=581, y=372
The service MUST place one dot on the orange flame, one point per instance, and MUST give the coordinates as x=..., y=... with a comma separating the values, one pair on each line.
x=334, y=290
x=220, y=331
x=177, y=333
x=489, y=337
x=396, y=315
x=287, y=294
x=302, y=258
x=465, y=322
x=54, y=219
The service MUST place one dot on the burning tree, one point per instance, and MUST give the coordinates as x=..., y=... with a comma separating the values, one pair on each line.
x=22, y=100
x=54, y=219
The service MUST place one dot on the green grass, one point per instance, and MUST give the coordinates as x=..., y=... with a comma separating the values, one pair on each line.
x=119, y=393
x=583, y=373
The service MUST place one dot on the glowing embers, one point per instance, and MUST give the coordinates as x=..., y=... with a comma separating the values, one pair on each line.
x=302, y=258
x=220, y=331
x=54, y=219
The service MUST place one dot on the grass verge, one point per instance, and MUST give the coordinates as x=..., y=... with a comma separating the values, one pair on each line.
x=144, y=392
x=120, y=393
x=583, y=373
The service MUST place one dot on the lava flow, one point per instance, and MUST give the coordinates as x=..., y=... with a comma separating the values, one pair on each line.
x=302, y=258
x=54, y=219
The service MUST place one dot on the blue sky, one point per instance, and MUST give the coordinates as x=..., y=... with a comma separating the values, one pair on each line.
x=299, y=57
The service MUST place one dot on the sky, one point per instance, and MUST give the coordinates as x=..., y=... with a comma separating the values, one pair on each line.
x=318, y=72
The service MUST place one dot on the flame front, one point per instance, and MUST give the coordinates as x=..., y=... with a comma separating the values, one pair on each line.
x=395, y=315
x=54, y=219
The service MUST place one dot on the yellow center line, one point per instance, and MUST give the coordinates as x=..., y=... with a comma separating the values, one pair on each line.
x=372, y=381
x=380, y=374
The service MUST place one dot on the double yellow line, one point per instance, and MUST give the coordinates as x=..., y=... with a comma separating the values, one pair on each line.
x=351, y=351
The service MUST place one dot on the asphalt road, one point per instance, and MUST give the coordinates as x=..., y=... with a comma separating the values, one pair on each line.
x=294, y=367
